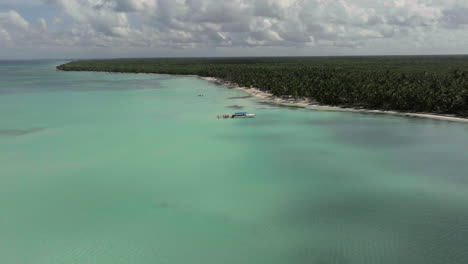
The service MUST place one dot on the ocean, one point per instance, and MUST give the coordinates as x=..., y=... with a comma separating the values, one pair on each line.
x=100, y=168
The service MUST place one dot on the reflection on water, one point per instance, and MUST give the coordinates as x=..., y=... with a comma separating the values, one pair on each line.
x=18, y=132
x=274, y=104
x=240, y=97
x=235, y=107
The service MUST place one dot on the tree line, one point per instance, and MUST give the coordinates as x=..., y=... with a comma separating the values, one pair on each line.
x=436, y=84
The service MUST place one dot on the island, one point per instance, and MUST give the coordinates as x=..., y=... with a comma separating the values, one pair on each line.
x=415, y=84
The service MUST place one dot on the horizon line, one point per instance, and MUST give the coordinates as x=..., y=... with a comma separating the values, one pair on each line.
x=214, y=57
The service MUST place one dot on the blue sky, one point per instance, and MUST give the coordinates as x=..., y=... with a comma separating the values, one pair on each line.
x=155, y=28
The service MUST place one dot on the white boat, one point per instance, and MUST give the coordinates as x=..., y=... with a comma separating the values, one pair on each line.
x=243, y=115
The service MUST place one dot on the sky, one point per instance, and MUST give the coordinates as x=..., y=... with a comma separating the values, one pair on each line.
x=33, y=29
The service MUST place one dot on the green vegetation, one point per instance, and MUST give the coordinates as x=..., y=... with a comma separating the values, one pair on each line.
x=436, y=84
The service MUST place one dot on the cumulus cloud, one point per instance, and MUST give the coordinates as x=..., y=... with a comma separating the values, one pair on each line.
x=42, y=23
x=98, y=15
x=307, y=24
x=13, y=19
x=132, y=5
x=4, y=36
x=455, y=17
x=12, y=25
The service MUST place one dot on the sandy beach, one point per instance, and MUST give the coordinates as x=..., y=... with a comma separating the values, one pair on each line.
x=312, y=104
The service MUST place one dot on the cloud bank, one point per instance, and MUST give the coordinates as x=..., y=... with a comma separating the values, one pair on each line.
x=235, y=27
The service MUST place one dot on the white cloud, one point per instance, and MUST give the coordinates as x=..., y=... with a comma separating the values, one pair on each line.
x=13, y=19
x=132, y=5
x=97, y=14
x=4, y=36
x=42, y=23
x=339, y=25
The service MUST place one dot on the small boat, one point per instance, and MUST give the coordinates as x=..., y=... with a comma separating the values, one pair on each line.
x=243, y=115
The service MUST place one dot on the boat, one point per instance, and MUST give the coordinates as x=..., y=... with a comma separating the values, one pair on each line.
x=243, y=115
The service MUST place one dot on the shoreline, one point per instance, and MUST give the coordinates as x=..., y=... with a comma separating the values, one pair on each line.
x=309, y=103
x=306, y=103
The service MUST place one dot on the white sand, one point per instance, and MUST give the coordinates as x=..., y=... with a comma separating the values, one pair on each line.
x=312, y=104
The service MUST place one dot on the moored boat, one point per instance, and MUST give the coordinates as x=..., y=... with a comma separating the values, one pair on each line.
x=243, y=115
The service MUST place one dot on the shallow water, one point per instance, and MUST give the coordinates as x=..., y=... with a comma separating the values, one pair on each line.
x=134, y=168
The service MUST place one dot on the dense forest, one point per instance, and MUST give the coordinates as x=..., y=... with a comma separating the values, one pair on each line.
x=436, y=84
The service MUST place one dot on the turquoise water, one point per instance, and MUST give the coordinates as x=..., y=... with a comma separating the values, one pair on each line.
x=121, y=168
